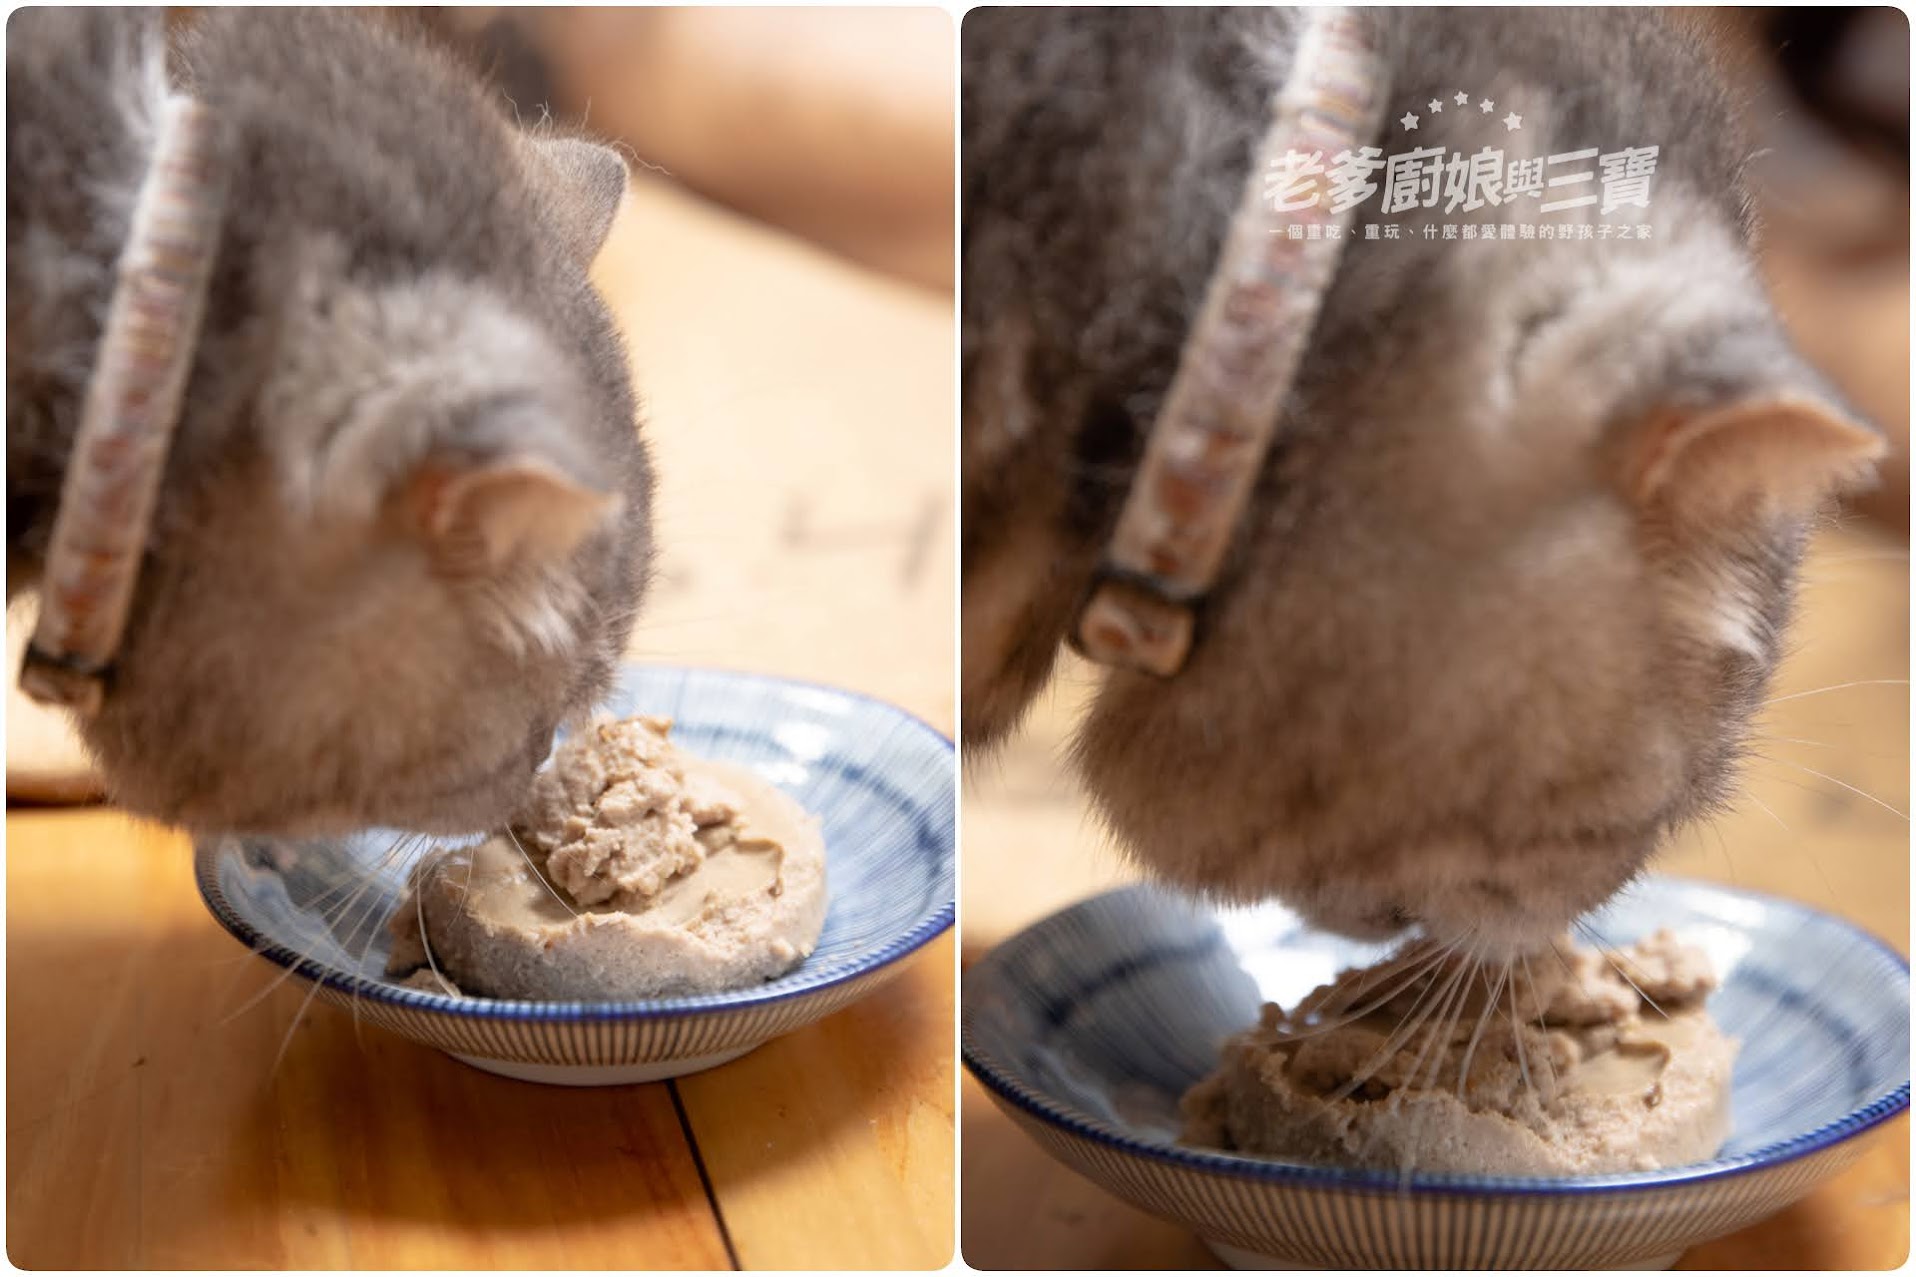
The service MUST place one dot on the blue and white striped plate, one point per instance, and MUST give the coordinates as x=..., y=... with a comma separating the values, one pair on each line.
x=879, y=780
x=1087, y=1028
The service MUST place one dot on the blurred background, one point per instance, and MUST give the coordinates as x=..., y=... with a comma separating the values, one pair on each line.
x=1828, y=100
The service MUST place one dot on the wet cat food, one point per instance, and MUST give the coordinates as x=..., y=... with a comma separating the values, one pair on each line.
x=1566, y=1067
x=632, y=871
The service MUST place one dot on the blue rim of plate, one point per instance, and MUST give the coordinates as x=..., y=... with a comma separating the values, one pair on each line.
x=1000, y=1083
x=923, y=932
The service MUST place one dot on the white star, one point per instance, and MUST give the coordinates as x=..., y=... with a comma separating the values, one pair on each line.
x=1409, y=121
x=1462, y=99
x=1513, y=122
x=1436, y=107
x=1485, y=106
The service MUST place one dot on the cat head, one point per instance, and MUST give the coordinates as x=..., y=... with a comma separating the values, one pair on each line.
x=1514, y=578
x=406, y=522
x=1508, y=611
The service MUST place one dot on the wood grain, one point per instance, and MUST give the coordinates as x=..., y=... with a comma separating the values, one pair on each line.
x=153, y=1121
x=790, y=1133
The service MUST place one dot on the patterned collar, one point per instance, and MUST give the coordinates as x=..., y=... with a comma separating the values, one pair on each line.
x=132, y=406
x=1208, y=443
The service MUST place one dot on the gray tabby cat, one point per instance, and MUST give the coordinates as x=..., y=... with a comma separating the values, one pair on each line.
x=404, y=526
x=1516, y=573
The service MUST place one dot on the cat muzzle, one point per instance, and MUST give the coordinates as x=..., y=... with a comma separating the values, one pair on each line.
x=1203, y=454
x=132, y=407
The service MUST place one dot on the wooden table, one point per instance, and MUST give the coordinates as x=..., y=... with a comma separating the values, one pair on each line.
x=802, y=415
x=1029, y=849
x=153, y=1121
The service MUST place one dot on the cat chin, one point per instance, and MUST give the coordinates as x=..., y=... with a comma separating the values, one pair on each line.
x=1498, y=907
x=1497, y=916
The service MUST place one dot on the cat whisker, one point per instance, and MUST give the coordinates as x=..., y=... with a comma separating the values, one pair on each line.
x=1816, y=861
x=401, y=845
x=1723, y=844
x=1450, y=1018
x=1516, y=1035
x=354, y=1002
x=1343, y=1014
x=300, y=958
x=536, y=873
x=1765, y=738
x=1612, y=955
x=1483, y=1019
x=1413, y=963
x=1472, y=968
x=318, y=977
x=1541, y=1025
x=361, y=921
x=1416, y=953
x=1420, y=956
x=358, y=1035
x=1440, y=1028
x=285, y=974
x=287, y=1041
x=466, y=891
x=330, y=919
x=1837, y=687
x=350, y=884
x=1795, y=740
x=1860, y=793
x=425, y=940
x=1432, y=1031
x=1420, y=1012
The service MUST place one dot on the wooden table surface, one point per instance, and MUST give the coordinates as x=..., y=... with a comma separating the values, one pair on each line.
x=1029, y=849
x=802, y=415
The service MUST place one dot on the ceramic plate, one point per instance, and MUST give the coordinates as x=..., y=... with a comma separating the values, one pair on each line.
x=880, y=781
x=1087, y=1028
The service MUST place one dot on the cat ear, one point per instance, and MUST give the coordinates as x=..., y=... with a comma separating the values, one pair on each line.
x=518, y=510
x=585, y=183
x=1777, y=451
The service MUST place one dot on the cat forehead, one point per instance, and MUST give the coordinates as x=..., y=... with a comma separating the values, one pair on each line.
x=367, y=379
x=437, y=323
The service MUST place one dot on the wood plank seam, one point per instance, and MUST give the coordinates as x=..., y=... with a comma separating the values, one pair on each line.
x=705, y=1178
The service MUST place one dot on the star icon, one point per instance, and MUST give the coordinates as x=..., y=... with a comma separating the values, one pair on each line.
x=1409, y=121
x=1485, y=106
x=1513, y=122
x=1462, y=99
x=1436, y=106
